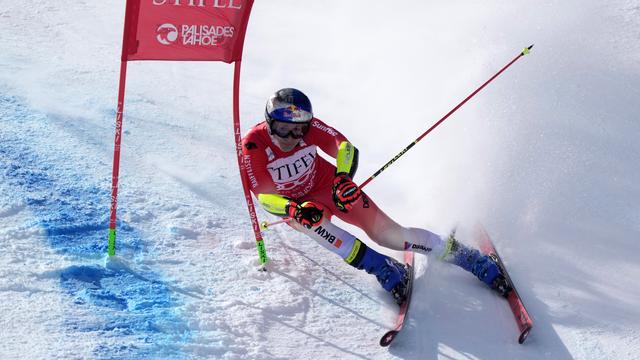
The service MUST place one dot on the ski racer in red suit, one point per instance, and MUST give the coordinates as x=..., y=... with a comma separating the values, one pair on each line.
x=290, y=179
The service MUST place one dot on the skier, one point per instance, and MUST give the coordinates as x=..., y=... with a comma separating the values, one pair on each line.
x=290, y=180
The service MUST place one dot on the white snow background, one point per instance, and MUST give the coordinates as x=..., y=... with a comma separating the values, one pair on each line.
x=546, y=157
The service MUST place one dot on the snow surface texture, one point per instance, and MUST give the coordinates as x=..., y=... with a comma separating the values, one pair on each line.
x=546, y=157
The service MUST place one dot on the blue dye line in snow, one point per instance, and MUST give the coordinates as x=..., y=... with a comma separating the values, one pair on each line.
x=133, y=314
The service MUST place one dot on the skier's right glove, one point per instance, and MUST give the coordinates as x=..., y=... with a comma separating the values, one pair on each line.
x=307, y=214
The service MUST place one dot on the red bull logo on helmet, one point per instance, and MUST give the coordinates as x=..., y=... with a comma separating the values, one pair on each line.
x=293, y=112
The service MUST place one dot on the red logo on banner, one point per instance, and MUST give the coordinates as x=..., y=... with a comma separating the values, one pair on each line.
x=208, y=30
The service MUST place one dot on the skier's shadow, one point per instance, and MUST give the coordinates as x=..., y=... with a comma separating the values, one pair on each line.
x=327, y=299
x=317, y=265
x=453, y=316
x=273, y=317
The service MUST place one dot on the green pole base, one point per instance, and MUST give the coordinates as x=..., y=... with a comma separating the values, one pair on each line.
x=112, y=242
x=262, y=252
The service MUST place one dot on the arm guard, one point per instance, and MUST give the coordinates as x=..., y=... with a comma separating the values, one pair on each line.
x=274, y=204
x=347, y=159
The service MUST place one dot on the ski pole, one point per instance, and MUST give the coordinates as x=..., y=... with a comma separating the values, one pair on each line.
x=264, y=225
x=524, y=52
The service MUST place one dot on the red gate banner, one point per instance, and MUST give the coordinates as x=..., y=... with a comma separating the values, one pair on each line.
x=200, y=30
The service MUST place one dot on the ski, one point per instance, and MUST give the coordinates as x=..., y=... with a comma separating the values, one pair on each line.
x=523, y=320
x=390, y=335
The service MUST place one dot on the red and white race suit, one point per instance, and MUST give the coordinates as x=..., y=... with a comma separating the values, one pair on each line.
x=303, y=175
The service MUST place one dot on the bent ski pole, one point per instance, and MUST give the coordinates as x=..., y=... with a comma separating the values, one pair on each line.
x=524, y=52
x=265, y=225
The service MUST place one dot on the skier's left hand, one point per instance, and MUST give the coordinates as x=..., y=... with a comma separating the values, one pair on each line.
x=345, y=192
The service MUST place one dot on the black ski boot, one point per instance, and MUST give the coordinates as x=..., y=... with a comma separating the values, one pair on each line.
x=399, y=292
x=500, y=283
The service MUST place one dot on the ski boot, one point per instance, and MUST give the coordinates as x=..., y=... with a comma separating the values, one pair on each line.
x=484, y=267
x=390, y=273
x=500, y=283
x=399, y=291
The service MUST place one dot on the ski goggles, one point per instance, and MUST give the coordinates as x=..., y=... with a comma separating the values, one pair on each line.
x=286, y=129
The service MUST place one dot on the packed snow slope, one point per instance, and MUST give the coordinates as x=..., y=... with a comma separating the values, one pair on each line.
x=546, y=158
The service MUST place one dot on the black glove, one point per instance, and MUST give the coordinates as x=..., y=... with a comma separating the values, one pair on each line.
x=345, y=192
x=307, y=214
